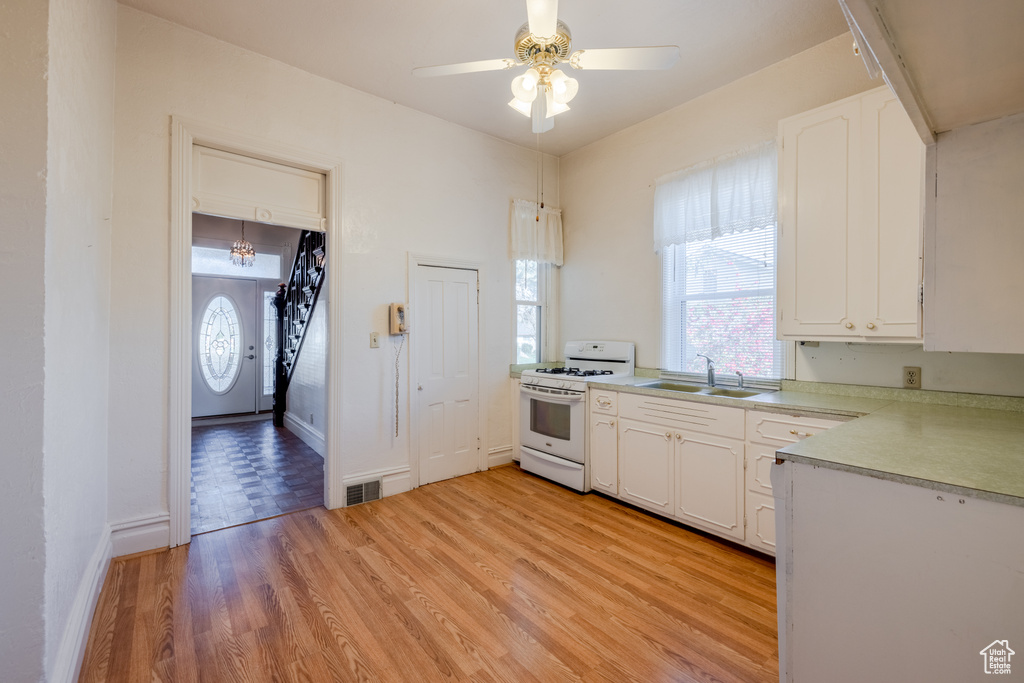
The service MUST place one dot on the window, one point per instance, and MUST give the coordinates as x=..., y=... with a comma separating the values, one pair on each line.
x=529, y=311
x=220, y=344
x=269, y=341
x=215, y=260
x=716, y=229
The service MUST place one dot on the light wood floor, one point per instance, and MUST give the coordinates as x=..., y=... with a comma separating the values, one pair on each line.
x=496, y=576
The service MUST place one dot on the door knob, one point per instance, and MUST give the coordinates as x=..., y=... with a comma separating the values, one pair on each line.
x=419, y=387
x=251, y=356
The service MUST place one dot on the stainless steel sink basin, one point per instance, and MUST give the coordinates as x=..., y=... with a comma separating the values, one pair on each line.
x=731, y=393
x=701, y=389
x=672, y=386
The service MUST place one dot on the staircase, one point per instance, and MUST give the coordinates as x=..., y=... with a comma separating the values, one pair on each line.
x=294, y=303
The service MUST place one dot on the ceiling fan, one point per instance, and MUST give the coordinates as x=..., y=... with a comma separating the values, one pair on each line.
x=543, y=43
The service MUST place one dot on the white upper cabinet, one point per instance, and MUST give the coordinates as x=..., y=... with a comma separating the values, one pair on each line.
x=851, y=192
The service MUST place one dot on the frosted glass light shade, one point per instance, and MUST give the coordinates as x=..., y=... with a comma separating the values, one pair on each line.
x=552, y=106
x=525, y=87
x=520, y=106
x=563, y=88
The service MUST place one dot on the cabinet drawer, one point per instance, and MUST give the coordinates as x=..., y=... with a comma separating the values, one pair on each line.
x=684, y=415
x=772, y=428
x=604, y=401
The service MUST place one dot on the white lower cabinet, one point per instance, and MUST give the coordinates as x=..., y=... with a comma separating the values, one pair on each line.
x=646, y=463
x=702, y=464
x=766, y=433
x=603, y=443
x=710, y=483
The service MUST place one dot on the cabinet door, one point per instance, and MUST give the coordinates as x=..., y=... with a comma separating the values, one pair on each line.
x=894, y=204
x=819, y=168
x=646, y=465
x=604, y=454
x=710, y=483
x=761, y=522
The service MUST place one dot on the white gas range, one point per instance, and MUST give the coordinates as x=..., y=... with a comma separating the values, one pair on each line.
x=553, y=409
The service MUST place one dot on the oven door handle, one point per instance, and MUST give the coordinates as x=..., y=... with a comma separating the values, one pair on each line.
x=564, y=462
x=561, y=397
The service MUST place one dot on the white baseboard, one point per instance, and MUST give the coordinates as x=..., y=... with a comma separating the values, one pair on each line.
x=310, y=436
x=501, y=455
x=71, y=651
x=140, y=535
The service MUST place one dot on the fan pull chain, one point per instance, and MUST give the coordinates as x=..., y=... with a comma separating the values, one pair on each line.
x=398, y=358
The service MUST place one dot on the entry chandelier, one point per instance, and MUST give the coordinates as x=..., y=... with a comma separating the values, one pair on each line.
x=242, y=253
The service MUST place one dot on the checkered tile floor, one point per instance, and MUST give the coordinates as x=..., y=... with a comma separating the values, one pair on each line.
x=248, y=471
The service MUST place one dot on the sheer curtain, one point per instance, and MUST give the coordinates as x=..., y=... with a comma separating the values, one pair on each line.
x=717, y=198
x=540, y=240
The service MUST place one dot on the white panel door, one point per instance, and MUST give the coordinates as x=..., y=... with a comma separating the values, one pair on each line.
x=446, y=339
x=225, y=348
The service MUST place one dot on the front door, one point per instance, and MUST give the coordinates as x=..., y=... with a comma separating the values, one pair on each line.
x=225, y=349
x=447, y=387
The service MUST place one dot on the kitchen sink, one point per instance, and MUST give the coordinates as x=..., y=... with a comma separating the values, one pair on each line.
x=671, y=386
x=731, y=393
x=701, y=389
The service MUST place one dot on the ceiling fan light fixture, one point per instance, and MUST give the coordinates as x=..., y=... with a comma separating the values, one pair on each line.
x=525, y=87
x=563, y=88
x=552, y=107
x=520, y=106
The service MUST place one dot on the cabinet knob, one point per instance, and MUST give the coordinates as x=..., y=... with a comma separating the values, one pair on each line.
x=871, y=326
x=668, y=436
x=611, y=423
x=849, y=326
x=679, y=437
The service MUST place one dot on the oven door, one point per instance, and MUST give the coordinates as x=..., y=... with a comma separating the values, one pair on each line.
x=551, y=421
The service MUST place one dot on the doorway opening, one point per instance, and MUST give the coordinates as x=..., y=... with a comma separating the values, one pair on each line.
x=243, y=468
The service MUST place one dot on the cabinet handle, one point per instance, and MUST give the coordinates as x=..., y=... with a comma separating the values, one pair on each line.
x=796, y=433
x=603, y=402
x=871, y=326
x=849, y=326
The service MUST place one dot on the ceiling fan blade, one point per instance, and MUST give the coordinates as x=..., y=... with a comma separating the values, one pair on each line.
x=626, y=58
x=542, y=15
x=465, y=67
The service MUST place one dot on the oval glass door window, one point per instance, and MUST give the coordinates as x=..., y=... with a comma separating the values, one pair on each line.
x=220, y=344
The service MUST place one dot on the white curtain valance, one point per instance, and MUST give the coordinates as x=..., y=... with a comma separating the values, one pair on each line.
x=535, y=240
x=717, y=198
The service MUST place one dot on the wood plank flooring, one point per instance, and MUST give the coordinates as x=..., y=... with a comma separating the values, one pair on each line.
x=496, y=576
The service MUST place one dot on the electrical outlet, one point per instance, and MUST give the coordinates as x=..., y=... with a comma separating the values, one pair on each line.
x=911, y=378
x=375, y=340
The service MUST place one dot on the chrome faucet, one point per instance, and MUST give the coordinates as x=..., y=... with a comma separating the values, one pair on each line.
x=711, y=369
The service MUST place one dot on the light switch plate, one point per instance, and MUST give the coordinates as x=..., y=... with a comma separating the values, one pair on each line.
x=375, y=340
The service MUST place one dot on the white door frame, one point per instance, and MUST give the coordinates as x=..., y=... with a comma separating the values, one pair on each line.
x=184, y=134
x=416, y=260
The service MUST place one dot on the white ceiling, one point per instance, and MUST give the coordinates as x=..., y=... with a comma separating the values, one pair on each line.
x=966, y=58
x=374, y=45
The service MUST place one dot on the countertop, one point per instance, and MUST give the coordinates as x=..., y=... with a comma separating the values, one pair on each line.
x=935, y=440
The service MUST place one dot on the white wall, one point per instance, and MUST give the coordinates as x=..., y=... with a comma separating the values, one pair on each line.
x=611, y=283
x=23, y=129
x=307, y=390
x=410, y=182
x=77, y=264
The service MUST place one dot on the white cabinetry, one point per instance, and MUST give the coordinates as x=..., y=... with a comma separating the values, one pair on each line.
x=604, y=445
x=851, y=195
x=684, y=460
x=766, y=433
